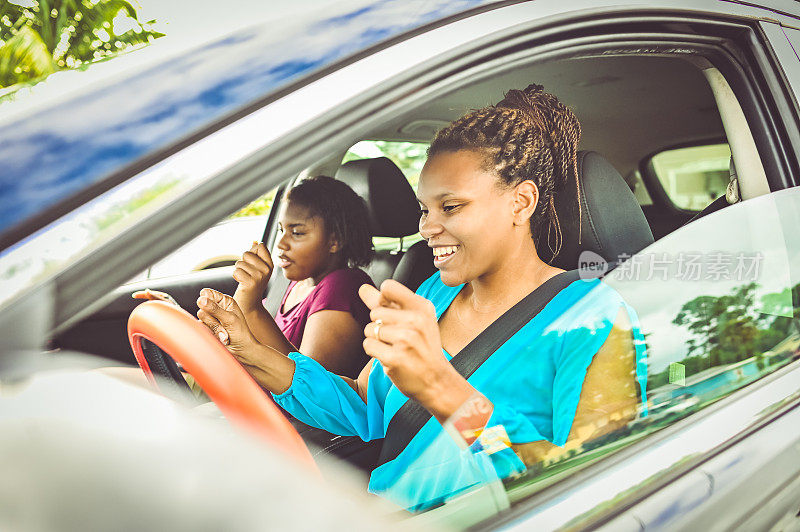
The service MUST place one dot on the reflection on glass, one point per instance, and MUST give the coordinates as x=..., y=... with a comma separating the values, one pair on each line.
x=573, y=374
x=718, y=303
x=72, y=237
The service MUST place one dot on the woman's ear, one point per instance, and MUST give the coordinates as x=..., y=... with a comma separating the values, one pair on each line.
x=526, y=197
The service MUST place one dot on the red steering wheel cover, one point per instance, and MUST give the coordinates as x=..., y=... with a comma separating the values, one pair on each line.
x=225, y=381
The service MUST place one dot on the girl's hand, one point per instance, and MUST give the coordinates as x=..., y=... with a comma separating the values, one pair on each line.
x=252, y=273
x=404, y=337
x=221, y=314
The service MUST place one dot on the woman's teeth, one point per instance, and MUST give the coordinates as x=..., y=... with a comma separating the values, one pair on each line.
x=441, y=252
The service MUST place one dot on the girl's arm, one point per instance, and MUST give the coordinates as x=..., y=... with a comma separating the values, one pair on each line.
x=265, y=330
x=333, y=338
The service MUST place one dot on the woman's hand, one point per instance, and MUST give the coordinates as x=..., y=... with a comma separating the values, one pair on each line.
x=154, y=295
x=252, y=273
x=404, y=337
x=270, y=368
x=221, y=314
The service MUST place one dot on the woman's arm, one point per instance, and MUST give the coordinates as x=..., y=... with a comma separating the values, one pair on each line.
x=608, y=399
x=360, y=384
x=271, y=368
x=408, y=345
x=299, y=384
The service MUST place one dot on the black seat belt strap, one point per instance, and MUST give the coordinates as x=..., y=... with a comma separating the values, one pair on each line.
x=411, y=417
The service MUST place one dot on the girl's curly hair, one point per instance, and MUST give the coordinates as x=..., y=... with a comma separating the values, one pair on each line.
x=343, y=212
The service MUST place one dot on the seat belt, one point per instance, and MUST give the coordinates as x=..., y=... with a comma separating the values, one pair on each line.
x=410, y=418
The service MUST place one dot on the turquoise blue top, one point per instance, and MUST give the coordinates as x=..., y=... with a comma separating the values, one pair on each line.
x=534, y=381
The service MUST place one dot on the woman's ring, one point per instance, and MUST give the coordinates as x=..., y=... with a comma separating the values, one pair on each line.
x=378, y=325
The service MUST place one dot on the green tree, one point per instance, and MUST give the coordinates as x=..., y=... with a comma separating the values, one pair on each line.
x=725, y=327
x=39, y=37
x=728, y=329
x=698, y=316
x=259, y=206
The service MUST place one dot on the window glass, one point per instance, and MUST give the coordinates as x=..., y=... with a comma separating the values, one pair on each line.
x=694, y=177
x=75, y=235
x=715, y=307
x=718, y=309
x=219, y=246
x=410, y=158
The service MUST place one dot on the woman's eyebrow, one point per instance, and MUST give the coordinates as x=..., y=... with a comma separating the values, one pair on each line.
x=438, y=197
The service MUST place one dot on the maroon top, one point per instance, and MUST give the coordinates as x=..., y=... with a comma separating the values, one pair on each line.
x=336, y=291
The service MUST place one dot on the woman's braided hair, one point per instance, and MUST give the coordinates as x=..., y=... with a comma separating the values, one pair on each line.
x=343, y=212
x=529, y=135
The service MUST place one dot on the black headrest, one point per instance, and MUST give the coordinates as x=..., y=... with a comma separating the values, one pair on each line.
x=612, y=223
x=392, y=205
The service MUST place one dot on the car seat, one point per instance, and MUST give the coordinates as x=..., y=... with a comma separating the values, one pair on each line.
x=611, y=223
x=394, y=212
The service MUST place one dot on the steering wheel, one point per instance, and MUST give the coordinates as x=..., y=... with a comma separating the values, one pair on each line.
x=154, y=326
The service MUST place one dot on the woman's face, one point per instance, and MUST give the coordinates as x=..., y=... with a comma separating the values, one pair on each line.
x=467, y=216
x=305, y=246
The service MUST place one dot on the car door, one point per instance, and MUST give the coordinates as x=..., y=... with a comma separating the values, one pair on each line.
x=715, y=443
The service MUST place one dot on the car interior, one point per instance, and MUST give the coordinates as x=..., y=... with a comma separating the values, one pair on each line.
x=631, y=107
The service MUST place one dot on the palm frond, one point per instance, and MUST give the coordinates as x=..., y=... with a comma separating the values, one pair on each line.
x=72, y=31
x=85, y=44
x=24, y=57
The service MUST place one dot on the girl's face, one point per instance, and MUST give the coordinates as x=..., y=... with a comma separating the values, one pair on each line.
x=306, y=249
x=469, y=219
